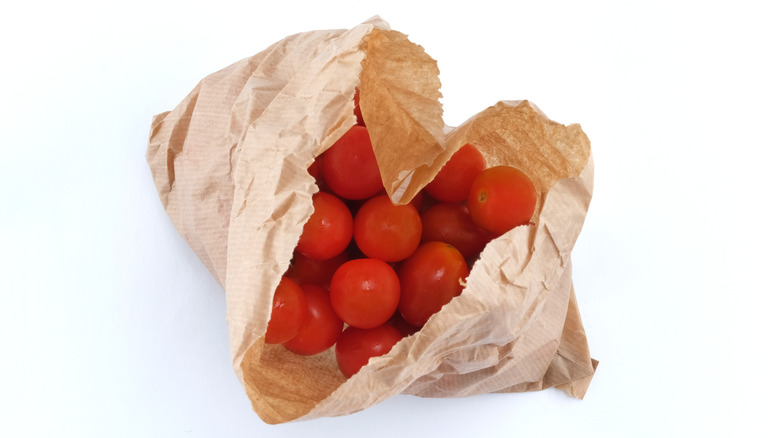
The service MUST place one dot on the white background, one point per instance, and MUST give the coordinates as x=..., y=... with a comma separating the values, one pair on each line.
x=111, y=326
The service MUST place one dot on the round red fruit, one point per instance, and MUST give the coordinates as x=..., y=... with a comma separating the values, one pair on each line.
x=365, y=292
x=502, y=198
x=430, y=278
x=321, y=326
x=356, y=346
x=454, y=180
x=349, y=166
x=451, y=223
x=329, y=229
x=287, y=313
x=387, y=231
x=305, y=270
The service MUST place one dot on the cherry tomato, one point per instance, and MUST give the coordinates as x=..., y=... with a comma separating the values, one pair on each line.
x=430, y=278
x=402, y=325
x=287, y=314
x=321, y=326
x=329, y=229
x=356, y=346
x=349, y=166
x=451, y=223
x=502, y=198
x=454, y=180
x=305, y=270
x=418, y=201
x=365, y=292
x=358, y=113
x=387, y=231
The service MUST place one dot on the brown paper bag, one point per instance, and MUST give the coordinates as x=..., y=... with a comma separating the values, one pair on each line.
x=230, y=164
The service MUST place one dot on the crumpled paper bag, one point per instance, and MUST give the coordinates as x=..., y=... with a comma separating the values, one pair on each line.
x=230, y=165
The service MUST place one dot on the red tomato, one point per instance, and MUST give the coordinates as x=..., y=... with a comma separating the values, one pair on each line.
x=358, y=113
x=387, y=231
x=402, y=325
x=365, y=292
x=305, y=270
x=502, y=198
x=418, y=201
x=454, y=180
x=321, y=326
x=287, y=314
x=356, y=346
x=329, y=229
x=451, y=223
x=349, y=166
x=430, y=279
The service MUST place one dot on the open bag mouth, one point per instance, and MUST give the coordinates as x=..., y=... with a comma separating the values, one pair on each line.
x=230, y=165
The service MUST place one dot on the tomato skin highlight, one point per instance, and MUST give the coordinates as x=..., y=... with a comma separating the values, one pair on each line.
x=430, y=278
x=501, y=198
x=349, y=166
x=321, y=325
x=356, y=346
x=387, y=231
x=329, y=229
x=287, y=314
x=450, y=223
x=365, y=292
x=454, y=180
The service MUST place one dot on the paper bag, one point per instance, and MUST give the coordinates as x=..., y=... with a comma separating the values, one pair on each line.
x=230, y=165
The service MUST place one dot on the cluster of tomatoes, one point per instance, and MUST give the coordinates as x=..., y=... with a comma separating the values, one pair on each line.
x=384, y=269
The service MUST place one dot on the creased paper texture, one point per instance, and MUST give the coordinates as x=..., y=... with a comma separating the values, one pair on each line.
x=230, y=165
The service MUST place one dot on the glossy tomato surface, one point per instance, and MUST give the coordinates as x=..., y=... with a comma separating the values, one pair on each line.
x=387, y=231
x=502, y=198
x=453, y=182
x=365, y=292
x=349, y=166
x=356, y=346
x=450, y=223
x=329, y=229
x=321, y=326
x=287, y=313
x=430, y=278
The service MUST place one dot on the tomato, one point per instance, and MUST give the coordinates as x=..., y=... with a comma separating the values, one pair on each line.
x=454, y=180
x=321, y=326
x=365, y=292
x=387, y=231
x=418, y=201
x=402, y=325
x=329, y=229
x=356, y=346
x=430, y=278
x=358, y=113
x=349, y=166
x=451, y=223
x=502, y=198
x=305, y=270
x=287, y=314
